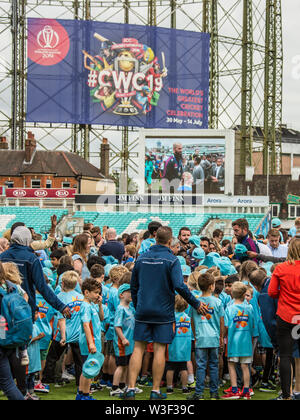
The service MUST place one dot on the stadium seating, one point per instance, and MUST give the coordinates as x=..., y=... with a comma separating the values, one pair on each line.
x=132, y=222
x=39, y=219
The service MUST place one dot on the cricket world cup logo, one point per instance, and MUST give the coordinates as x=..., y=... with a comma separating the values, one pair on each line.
x=48, y=42
x=48, y=38
x=125, y=77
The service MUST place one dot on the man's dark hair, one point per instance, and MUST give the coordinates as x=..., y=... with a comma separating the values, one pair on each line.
x=153, y=227
x=197, y=159
x=15, y=225
x=205, y=239
x=58, y=253
x=91, y=285
x=94, y=259
x=62, y=268
x=242, y=223
x=163, y=235
x=184, y=228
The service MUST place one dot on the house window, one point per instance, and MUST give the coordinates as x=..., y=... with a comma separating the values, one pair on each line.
x=49, y=183
x=294, y=211
x=275, y=210
x=35, y=183
x=66, y=185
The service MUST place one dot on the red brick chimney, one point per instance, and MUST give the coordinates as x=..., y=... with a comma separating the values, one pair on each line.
x=3, y=143
x=30, y=147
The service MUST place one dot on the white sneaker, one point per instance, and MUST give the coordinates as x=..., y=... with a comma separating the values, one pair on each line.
x=66, y=375
x=138, y=390
x=116, y=392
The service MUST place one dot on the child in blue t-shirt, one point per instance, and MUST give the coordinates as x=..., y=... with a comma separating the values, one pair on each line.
x=115, y=275
x=34, y=356
x=123, y=339
x=209, y=332
x=90, y=331
x=67, y=330
x=179, y=352
x=44, y=322
x=240, y=329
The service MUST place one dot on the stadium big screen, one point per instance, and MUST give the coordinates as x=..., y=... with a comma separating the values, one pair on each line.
x=187, y=161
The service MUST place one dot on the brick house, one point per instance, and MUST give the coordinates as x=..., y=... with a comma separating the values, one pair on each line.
x=32, y=168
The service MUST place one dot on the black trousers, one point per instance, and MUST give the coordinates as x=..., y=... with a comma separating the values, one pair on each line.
x=54, y=354
x=286, y=346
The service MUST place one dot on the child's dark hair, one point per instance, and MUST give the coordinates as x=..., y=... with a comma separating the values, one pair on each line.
x=95, y=259
x=62, y=268
x=90, y=285
x=58, y=253
x=97, y=271
x=125, y=279
x=219, y=285
x=205, y=281
x=232, y=279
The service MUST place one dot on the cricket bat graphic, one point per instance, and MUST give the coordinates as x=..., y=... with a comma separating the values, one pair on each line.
x=101, y=38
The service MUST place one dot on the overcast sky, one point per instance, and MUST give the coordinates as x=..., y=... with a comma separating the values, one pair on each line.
x=291, y=80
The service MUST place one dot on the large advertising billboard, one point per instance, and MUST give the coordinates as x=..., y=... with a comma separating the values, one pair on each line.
x=88, y=72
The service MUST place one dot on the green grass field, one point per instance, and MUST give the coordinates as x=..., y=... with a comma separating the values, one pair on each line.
x=68, y=392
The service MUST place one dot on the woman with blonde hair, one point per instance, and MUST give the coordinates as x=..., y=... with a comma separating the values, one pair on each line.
x=285, y=286
x=81, y=249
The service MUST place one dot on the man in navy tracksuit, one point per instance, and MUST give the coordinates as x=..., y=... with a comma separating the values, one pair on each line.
x=155, y=278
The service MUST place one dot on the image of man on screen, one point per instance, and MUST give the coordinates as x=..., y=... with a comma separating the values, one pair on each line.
x=217, y=177
x=173, y=170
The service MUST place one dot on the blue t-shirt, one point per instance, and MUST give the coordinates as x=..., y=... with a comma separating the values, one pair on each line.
x=113, y=303
x=85, y=271
x=239, y=319
x=124, y=318
x=45, y=315
x=225, y=299
x=106, y=319
x=89, y=314
x=105, y=294
x=73, y=300
x=34, y=353
x=180, y=348
x=146, y=245
x=207, y=327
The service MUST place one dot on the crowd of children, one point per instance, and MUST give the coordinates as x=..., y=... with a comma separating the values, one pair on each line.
x=94, y=345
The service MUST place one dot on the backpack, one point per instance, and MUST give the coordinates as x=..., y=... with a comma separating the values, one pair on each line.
x=15, y=318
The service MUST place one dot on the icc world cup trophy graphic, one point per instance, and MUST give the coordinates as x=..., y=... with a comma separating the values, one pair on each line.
x=125, y=78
